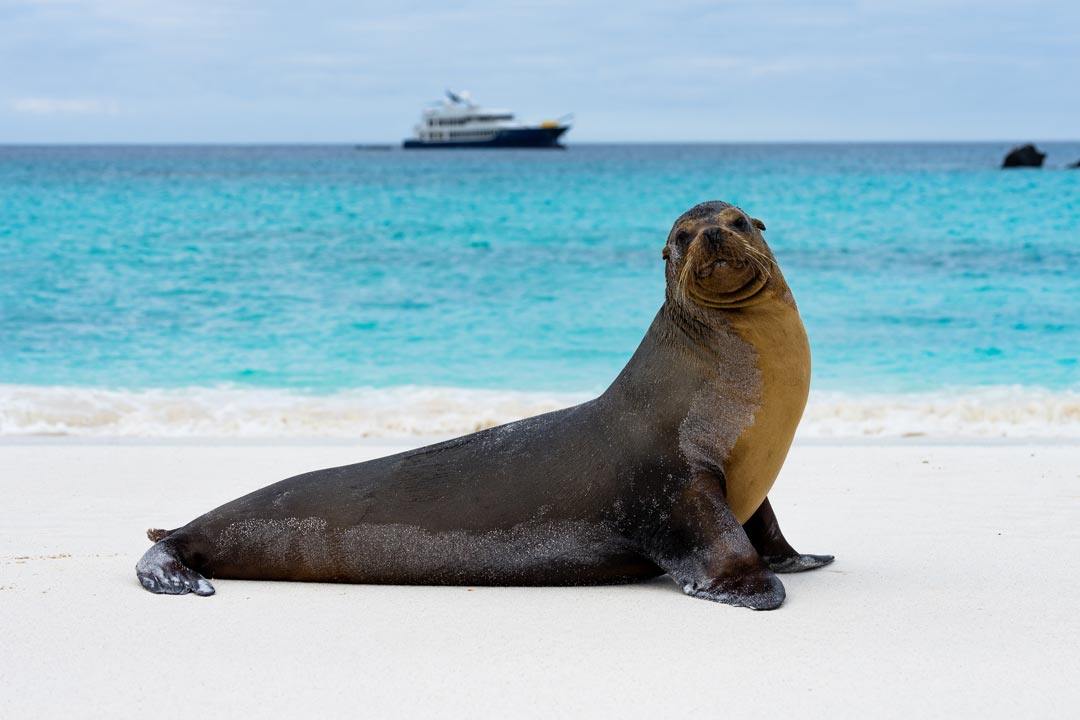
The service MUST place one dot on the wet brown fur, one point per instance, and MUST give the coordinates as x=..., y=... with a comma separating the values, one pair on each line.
x=666, y=472
x=750, y=301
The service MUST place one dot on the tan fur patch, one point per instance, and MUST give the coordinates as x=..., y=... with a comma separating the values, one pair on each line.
x=775, y=331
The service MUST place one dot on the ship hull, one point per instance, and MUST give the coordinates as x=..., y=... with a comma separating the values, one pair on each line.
x=539, y=137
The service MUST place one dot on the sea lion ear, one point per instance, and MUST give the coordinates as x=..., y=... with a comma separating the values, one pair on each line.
x=666, y=252
x=757, y=223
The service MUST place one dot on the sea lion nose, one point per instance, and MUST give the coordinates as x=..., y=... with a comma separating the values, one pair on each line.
x=714, y=238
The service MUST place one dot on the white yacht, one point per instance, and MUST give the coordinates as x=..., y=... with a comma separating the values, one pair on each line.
x=457, y=122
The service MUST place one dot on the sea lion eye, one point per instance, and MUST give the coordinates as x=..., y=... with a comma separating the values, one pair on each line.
x=681, y=237
x=740, y=224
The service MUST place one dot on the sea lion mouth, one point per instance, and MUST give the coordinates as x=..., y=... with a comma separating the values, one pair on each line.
x=721, y=264
x=725, y=280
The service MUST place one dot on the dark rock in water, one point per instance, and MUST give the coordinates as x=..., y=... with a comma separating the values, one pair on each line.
x=1074, y=166
x=1024, y=156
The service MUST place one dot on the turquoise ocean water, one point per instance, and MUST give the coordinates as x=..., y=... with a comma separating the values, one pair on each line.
x=317, y=271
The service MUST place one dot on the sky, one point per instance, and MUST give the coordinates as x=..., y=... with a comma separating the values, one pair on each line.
x=267, y=71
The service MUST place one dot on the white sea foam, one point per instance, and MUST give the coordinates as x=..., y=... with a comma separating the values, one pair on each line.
x=264, y=413
x=988, y=412
x=411, y=411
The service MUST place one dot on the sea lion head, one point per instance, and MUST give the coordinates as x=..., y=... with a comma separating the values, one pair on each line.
x=718, y=259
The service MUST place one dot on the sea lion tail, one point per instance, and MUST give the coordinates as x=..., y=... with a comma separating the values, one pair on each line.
x=162, y=570
x=157, y=534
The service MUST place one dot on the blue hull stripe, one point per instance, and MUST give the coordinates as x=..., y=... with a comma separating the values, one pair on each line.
x=516, y=138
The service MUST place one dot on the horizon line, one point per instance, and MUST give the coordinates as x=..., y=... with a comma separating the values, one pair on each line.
x=361, y=144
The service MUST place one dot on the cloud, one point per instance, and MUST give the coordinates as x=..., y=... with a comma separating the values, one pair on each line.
x=262, y=70
x=64, y=106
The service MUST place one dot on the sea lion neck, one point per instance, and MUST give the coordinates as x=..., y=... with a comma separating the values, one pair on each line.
x=691, y=324
x=676, y=339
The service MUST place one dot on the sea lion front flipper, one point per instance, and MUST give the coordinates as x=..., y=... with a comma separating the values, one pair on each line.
x=708, y=554
x=764, y=532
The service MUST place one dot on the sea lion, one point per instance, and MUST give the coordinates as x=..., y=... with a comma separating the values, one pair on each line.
x=666, y=472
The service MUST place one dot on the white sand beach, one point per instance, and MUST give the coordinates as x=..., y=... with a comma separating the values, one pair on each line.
x=954, y=594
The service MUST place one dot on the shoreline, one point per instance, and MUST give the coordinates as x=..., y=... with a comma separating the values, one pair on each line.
x=415, y=441
x=407, y=413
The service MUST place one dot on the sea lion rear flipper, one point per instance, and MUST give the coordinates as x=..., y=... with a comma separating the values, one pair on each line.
x=764, y=532
x=161, y=570
x=708, y=554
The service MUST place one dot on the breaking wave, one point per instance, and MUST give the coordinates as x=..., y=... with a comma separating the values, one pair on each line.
x=440, y=411
x=989, y=412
